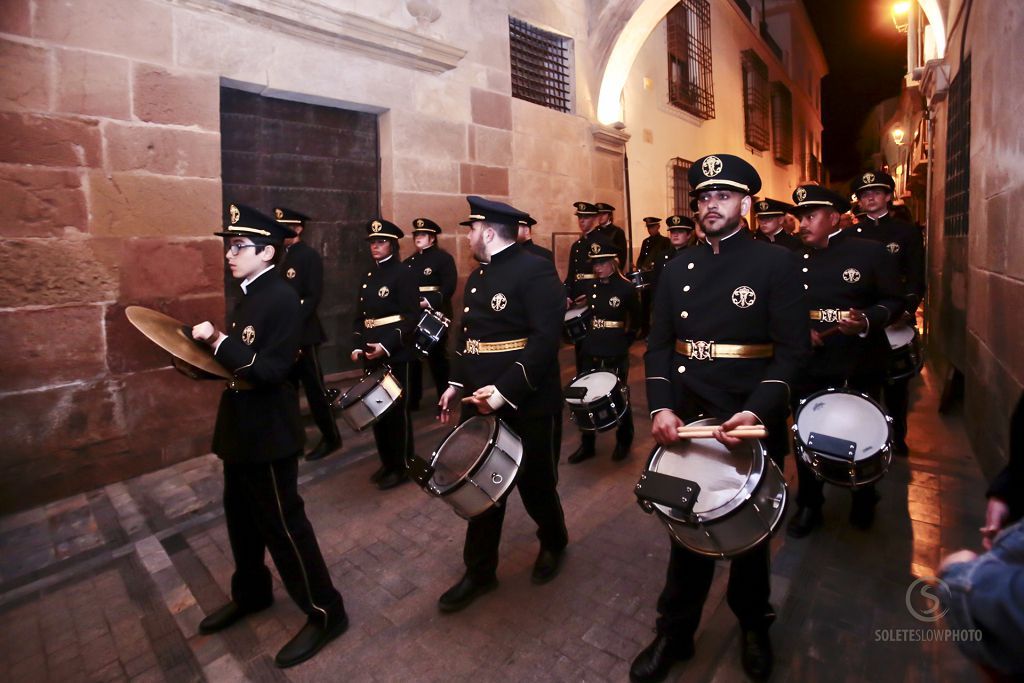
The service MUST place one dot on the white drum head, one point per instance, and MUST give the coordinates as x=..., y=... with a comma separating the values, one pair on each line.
x=845, y=415
x=461, y=451
x=365, y=385
x=575, y=312
x=597, y=384
x=899, y=335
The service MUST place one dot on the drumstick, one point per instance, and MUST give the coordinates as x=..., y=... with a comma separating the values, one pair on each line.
x=741, y=432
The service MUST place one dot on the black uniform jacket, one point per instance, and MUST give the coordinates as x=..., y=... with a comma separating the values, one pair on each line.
x=663, y=260
x=616, y=236
x=387, y=289
x=748, y=293
x=781, y=238
x=579, y=265
x=435, y=271
x=850, y=273
x=304, y=271
x=905, y=242
x=515, y=296
x=651, y=250
x=613, y=299
x=534, y=248
x=262, y=423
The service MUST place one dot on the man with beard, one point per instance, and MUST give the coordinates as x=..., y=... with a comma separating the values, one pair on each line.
x=770, y=224
x=507, y=365
x=729, y=336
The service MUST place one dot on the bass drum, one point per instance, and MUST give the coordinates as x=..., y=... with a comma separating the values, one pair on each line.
x=741, y=498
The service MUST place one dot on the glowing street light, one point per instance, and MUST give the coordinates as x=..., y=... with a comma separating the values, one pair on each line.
x=901, y=16
x=897, y=135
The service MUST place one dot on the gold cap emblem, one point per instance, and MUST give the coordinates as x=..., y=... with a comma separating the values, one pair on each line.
x=595, y=248
x=419, y=223
x=869, y=177
x=236, y=215
x=762, y=206
x=801, y=194
x=711, y=166
x=674, y=220
x=278, y=214
x=376, y=226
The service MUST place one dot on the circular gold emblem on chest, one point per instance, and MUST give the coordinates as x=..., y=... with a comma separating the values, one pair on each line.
x=498, y=302
x=615, y=302
x=428, y=271
x=290, y=274
x=893, y=247
x=743, y=296
x=851, y=275
x=383, y=292
x=249, y=335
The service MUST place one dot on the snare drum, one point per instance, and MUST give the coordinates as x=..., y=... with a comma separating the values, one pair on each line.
x=642, y=278
x=844, y=437
x=577, y=323
x=597, y=400
x=475, y=466
x=905, y=357
x=430, y=330
x=741, y=498
x=366, y=402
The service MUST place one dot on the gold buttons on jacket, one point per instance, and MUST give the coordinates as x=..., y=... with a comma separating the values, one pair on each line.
x=689, y=266
x=684, y=314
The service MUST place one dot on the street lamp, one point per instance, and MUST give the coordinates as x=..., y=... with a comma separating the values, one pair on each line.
x=897, y=135
x=901, y=16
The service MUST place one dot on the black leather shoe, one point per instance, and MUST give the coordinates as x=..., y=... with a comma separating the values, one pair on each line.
x=379, y=473
x=621, y=451
x=803, y=522
x=547, y=566
x=392, y=479
x=324, y=448
x=757, y=654
x=582, y=453
x=654, y=661
x=462, y=594
x=862, y=512
x=309, y=641
x=226, y=615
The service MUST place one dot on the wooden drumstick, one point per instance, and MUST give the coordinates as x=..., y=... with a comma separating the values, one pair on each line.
x=741, y=432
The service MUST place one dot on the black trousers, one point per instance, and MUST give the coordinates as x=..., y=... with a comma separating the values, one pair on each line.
x=646, y=299
x=264, y=511
x=440, y=371
x=393, y=432
x=307, y=371
x=620, y=366
x=811, y=490
x=896, y=395
x=536, y=481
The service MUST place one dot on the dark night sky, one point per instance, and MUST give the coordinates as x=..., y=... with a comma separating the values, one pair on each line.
x=866, y=59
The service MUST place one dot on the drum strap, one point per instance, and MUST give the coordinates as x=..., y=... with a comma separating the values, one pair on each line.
x=430, y=288
x=830, y=315
x=705, y=350
x=475, y=346
x=601, y=324
x=371, y=323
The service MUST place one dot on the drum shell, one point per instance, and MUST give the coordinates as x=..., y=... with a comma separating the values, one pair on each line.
x=905, y=359
x=603, y=413
x=431, y=328
x=489, y=480
x=641, y=279
x=751, y=518
x=575, y=328
x=373, y=404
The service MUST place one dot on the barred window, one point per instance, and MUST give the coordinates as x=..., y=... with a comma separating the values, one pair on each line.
x=958, y=148
x=755, y=100
x=679, y=186
x=782, y=123
x=689, y=58
x=540, y=66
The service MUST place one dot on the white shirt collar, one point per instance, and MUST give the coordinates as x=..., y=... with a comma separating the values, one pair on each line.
x=249, y=280
x=385, y=259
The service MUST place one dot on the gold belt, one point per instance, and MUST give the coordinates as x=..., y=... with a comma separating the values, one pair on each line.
x=830, y=315
x=709, y=350
x=585, y=276
x=430, y=288
x=475, y=346
x=371, y=323
x=600, y=324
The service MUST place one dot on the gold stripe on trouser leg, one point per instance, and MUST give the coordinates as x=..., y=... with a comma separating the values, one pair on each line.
x=302, y=566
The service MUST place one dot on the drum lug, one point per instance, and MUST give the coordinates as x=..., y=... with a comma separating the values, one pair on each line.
x=496, y=478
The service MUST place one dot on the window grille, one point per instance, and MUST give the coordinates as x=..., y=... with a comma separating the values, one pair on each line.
x=690, y=86
x=540, y=66
x=782, y=123
x=755, y=100
x=679, y=186
x=958, y=148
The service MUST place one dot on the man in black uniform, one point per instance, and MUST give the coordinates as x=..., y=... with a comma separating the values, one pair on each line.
x=729, y=335
x=615, y=235
x=680, y=235
x=304, y=271
x=579, y=260
x=904, y=241
x=850, y=288
x=508, y=366
x=435, y=270
x=613, y=302
x=259, y=437
x=525, y=238
x=383, y=324
x=651, y=249
x=770, y=214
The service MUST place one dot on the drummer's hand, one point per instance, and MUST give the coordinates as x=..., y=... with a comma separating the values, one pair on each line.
x=355, y=355
x=424, y=303
x=997, y=514
x=448, y=399
x=855, y=324
x=737, y=420
x=954, y=558
x=580, y=300
x=374, y=351
x=816, y=339
x=665, y=426
x=479, y=399
x=205, y=332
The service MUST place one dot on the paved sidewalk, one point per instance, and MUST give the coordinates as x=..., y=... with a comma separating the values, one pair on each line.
x=111, y=585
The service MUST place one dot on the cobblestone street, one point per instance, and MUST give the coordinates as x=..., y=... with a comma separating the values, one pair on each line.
x=112, y=584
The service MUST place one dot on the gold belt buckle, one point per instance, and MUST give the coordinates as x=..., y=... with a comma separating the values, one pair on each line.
x=830, y=315
x=702, y=350
x=369, y=323
x=473, y=346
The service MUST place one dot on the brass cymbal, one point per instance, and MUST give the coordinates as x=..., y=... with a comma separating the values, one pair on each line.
x=168, y=334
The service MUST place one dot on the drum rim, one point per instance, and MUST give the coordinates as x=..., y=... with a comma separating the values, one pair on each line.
x=734, y=504
x=491, y=441
x=618, y=383
x=384, y=371
x=582, y=311
x=799, y=442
